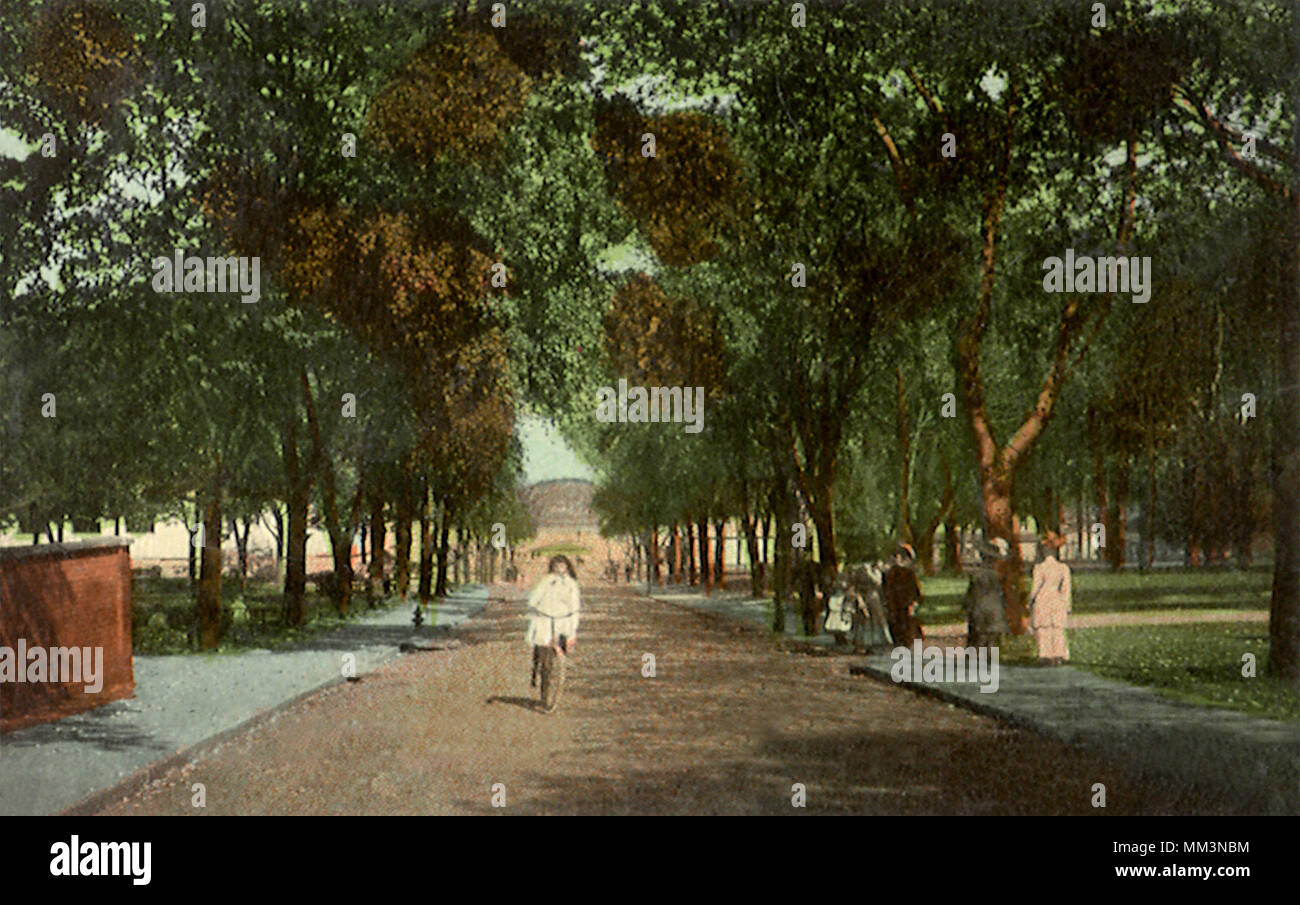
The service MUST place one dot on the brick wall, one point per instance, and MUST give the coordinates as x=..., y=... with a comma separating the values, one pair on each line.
x=66, y=595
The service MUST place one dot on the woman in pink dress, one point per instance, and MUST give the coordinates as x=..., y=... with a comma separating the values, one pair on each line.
x=1049, y=603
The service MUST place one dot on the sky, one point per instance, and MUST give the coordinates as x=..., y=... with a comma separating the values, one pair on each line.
x=11, y=145
x=546, y=455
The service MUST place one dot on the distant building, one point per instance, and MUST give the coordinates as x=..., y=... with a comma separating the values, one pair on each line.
x=562, y=507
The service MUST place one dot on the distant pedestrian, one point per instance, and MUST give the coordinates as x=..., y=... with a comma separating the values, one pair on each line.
x=805, y=585
x=985, y=604
x=1050, y=603
x=870, y=624
x=902, y=596
x=553, y=611
x=838, y=616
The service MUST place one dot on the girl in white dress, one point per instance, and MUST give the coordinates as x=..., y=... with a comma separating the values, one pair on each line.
x=553, y=611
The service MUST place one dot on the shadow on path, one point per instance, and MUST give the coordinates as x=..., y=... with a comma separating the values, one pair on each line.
x=526, y=703
x=100, y=727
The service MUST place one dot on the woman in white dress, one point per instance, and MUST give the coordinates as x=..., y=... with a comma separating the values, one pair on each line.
x=553, y=611
x=1049, y=603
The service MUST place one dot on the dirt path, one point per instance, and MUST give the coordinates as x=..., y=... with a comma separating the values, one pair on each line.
x=728, y=725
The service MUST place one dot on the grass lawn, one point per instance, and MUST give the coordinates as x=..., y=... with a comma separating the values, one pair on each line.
x=941, y=597
x=164, y=616
x=1200, y=664
x=1125, y=592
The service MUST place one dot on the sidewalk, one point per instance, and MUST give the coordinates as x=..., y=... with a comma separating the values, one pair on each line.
x=181, y=701
x=1249, y=760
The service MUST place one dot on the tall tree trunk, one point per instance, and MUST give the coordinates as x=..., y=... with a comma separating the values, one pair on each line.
x=690, y=551
x=1193, y=496
x=403, y=516
x=675, y=557
x=1284, y=605
x=340, y=541
x=749, y=524
x=925, y=544
x=193, y=532
x=765, y=548
x=786, y=508
x=1100, y=483
x=702, y=535
x=654, y=556
x=824, y=520
x=241, y=550
x=720, y=552
x=426, y=547
x=1149, y=517
x=192, y=560
x=781, y=556
x=277, y=516
x=210, y=568
x=806, y=578
x=378, y=535
x=997, y=464
x=997, y=494
x=295, y=564
x=443, y=537
x=905, y=463
x=1117, y=532
x=347, y=533
x=298, y=502
x=1085, y=536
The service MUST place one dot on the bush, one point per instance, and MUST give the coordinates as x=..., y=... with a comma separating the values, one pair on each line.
x=326, y=584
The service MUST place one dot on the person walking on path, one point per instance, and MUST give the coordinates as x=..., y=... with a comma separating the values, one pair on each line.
x=870, y=627
x=986, y=619
x=839, y=607
x=553, y=611
x=902, y=596
x=1050, y=603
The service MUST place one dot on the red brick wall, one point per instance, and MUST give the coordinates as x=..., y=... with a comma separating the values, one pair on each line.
x=66, y=595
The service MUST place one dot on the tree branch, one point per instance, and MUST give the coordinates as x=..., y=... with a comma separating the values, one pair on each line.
x=1225, y=134
x=930, y=100
x=1200, y=112
x=901, y=173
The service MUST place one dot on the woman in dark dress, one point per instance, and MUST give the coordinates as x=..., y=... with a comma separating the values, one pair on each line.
x=902, y=595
